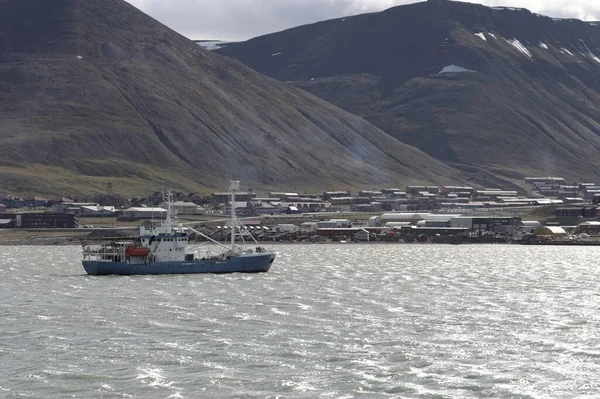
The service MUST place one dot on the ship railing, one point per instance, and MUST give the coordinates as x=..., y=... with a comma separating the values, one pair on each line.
x=103, y=252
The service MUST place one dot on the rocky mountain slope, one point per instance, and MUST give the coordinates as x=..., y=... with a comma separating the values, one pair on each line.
x=95, y=91
x=495, y=92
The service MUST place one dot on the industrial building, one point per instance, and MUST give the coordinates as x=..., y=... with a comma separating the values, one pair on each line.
x=139, y=213
x=39, y=220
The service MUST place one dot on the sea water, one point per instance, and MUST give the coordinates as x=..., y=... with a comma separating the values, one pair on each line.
x=328, y=321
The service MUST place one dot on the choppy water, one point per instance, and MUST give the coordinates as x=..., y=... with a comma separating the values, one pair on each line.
x=328, y=321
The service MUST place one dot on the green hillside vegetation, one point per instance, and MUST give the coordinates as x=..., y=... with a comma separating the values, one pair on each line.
x=96, y=91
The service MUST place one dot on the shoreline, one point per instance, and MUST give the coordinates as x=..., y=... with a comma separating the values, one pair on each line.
x=12, y=237
x=76, y=241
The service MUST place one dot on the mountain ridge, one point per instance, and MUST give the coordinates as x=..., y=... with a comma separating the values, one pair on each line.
x=529, y=107
x=96, y=91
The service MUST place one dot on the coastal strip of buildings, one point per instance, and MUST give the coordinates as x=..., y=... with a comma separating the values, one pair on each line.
x=413, y=211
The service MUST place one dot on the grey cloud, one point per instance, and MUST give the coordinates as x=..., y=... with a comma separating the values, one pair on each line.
x=244, y=19
x=580, y=9
x=587, y=12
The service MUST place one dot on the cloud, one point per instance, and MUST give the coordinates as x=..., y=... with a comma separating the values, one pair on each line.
x=243, y=19
x=581, y=9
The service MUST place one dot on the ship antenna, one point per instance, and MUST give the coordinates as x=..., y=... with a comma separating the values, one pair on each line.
x=235, y=185
x=168, y=218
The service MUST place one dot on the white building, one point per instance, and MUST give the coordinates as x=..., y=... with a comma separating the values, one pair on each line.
x=529, y=226
x=309, y=227
x=286, y=228
x=135, y=213
x=97, y=210
x=436, y=220
x=185, y=208
x=552, y=231
x=334, y=223
x=341, y=222
x=70, y=207
x=402, y=217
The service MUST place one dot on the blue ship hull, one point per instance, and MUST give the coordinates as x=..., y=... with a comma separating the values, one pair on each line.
x=242, y=264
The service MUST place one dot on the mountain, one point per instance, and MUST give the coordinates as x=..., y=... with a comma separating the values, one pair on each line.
x=518, y=95
x=95, y=91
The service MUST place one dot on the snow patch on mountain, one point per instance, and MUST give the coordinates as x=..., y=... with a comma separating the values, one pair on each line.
x=481, y=35
x=564, y=49
x=543, y=45
x=506, y=8
x=454, y=69
x=519, y=46
x=212, y=44
x=589, y=52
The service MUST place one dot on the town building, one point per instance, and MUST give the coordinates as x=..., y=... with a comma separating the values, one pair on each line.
x=265, y=206
x=304, y=207
x=185, y=208
x=370, y=193
x=70, y=207
x=444, y=190
x=496, y=224
x=420, y=190
x=284, y=196
x=7, y=221
x=286, y=228
x=529, y=226
x=436, y=220
x=413, y=218
x=544, y=186
x=309, y=227
x=550, y=231
x=390, y=191
x=569, y=211
x=96, y=211
x=590, y=227
x=11, y=201
x=371, y=207
x=432, y=231
x=239, y=196
x=549, y=180
x=45, y=220
x=35, y=202
x=493, y=194
x=139, y=213
x=337, y=201
x=327, y=195
x=350, y=232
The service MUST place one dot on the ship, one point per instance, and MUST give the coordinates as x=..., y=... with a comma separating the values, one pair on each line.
x=164, y=248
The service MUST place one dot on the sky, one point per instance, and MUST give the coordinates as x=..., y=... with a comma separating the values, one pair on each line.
x=236, y=20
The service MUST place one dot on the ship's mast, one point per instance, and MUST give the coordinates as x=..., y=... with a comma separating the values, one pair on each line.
x=168, y=222
x=235, y=186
